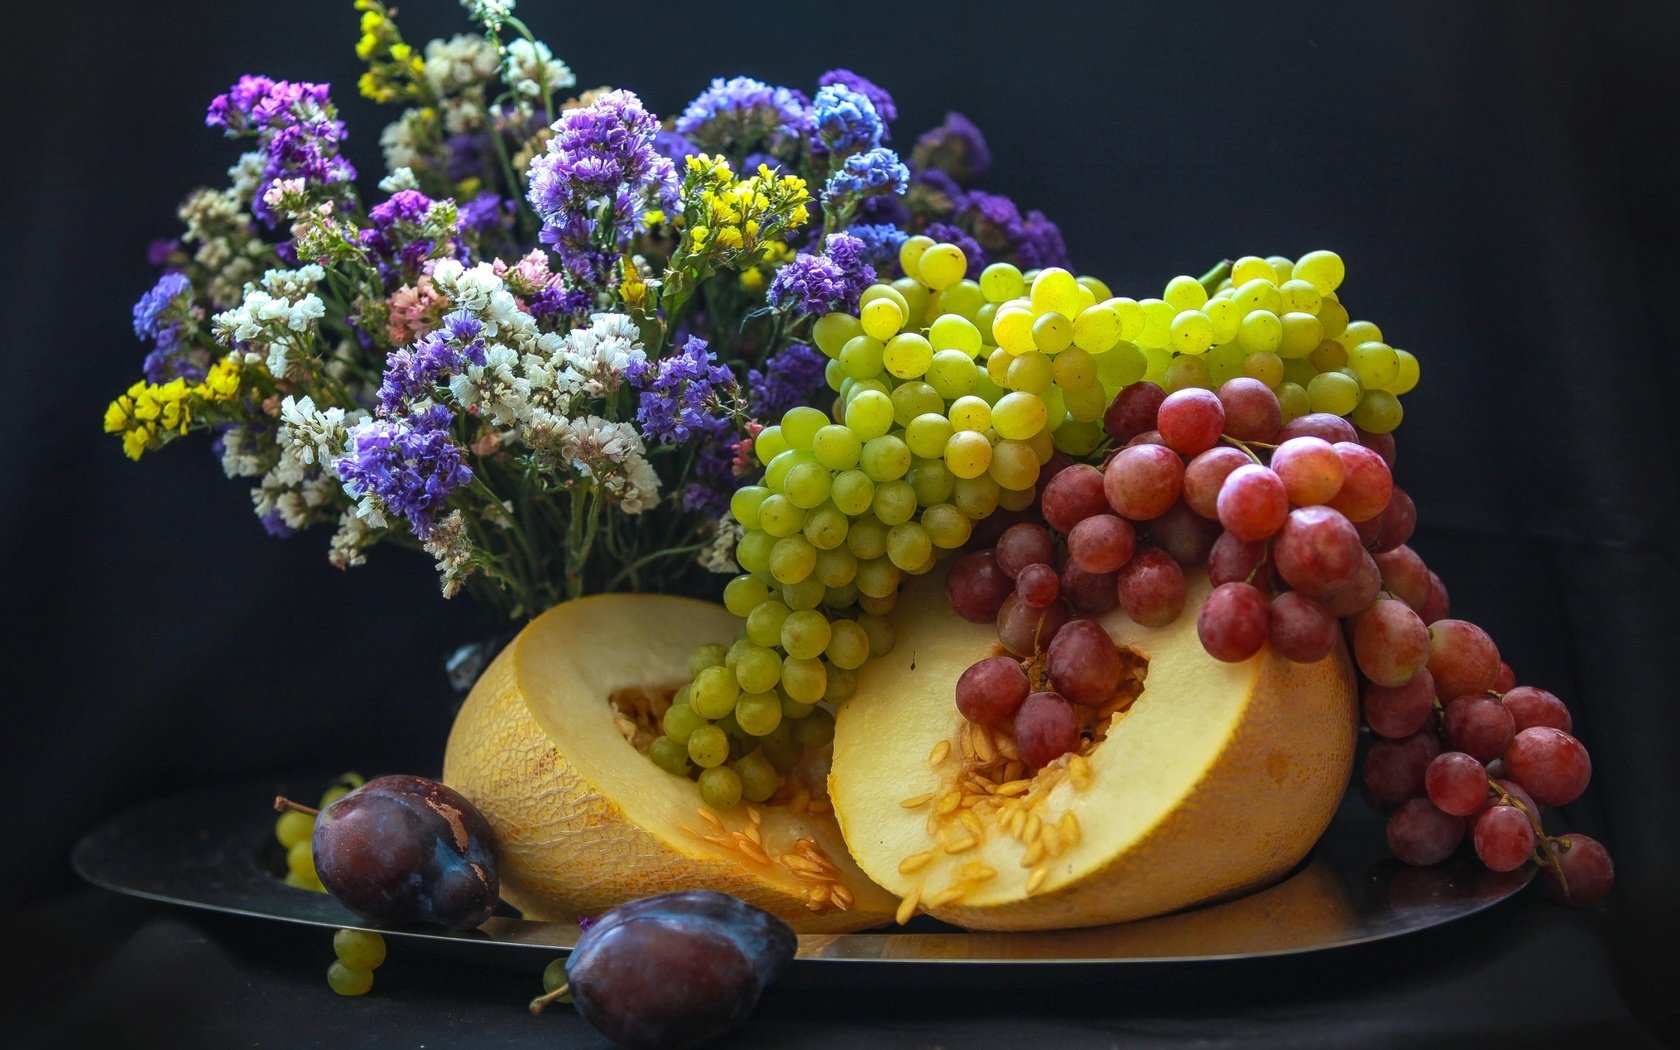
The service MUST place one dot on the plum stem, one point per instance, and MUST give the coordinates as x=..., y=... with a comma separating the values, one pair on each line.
x=282, y=804
x=560, y=994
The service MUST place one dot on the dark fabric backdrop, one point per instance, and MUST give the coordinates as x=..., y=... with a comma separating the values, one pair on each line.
x=1499, y=178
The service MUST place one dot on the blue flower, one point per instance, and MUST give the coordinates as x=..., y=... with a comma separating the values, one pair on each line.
x=411, y=465
x=790, y=378
x=873, y=173
x=681, y=395
x=738, y=115
x=877, y=95
x=846, y=121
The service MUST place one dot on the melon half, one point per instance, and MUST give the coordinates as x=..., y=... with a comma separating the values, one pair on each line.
x=543, y=746
x=1200, y=780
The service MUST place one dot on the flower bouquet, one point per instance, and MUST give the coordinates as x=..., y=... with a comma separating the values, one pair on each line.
x=1041, y=606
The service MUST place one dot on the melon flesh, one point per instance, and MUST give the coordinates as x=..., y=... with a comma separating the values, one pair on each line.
x=583, y=820
x=1218, y=779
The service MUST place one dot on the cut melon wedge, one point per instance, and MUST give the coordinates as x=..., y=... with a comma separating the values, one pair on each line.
x=1218, y=779
x=585, y=822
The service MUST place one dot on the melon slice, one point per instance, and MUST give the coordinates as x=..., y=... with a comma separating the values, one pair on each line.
x=585, y=822
x=1216, y=779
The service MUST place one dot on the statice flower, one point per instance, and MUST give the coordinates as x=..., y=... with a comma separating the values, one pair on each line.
x=845, y=121
x=602, y=152
x=275, y=323
x=790, y=378
x=873, y=173
x=881, y=242
x=408, y=229
x=609, y=453
x=682, y=394
x=412, y=375
x=817, y=284
x=955, y=147
x=739, y=115
x=297, y=127
x=674, y=146
x=491, y=14
x=407, y=466
x=1041, y=244
x=878, y=97
x=715, y=475
x=165, y=317
x=594, y=361
x=531, y=70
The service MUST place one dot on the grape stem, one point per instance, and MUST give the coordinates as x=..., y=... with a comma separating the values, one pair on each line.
x=283, y=804
x=1247, y=446
x=1546, y=846
x=1211, y=279
x=560, y=994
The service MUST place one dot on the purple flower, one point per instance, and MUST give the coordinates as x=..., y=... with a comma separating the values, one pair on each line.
x=410, y=464
x=601, y=152
x=875, y=172
x=158, y=253
x=297, y=127
x=412, y=374
x=485, y=213
x=673, y=147
x=948, y=234
x=955, y=147
x=877, y=96
x=846, y=121
x=817, y=284
x=681, y=395
x=790, y=378
x=736, y=116
x=1041, y=244
x=164, y=317
x=881, y=242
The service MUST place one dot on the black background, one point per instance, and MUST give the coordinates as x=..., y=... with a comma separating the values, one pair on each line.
x=1497, y=177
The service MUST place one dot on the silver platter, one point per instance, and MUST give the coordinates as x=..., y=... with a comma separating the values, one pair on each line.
x=215, y=849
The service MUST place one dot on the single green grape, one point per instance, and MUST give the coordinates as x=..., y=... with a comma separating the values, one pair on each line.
x=757, y=669
x=910, y=252
x=1187, y=372
x=714, y=691
x=709, y=746
x=1052, y=332
x=1191, y=331
x=907, y=355
x=1185, y=293
x=932, y=481
x=804, y=679
x=825, y=527
x=1014, y=465
x=703, y=656
x=300, y=860
x=554, y=974
x=877, y=577
x=779, y=517
x=927, y=433
x=869, y=414
x=867, y=539
x=346, y=980
x=880, y=633
x=816, y=731
x=842, y=685
x=1019, y=415
x=757, y=777
x=759, y=713
x=976, y=498
x=947, y=526
x=806, y=634
x=681, y=720
x=941, y=266
x=745, y=502
x=742, y=594
x=720, y=787
x=908, y=545
x=669, y=754
x=764, y=623
x=895, y=502
x=832, y=331
x=800, y=424
x=294, y=827
x=806, y=594
x=836, y=447
x=848, y=645
x=359, y=949
x=1333, y=392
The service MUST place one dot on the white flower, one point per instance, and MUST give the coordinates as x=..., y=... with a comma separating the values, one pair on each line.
x=241, y=455
x=460, y=62
x=610, y=453
x=720, y=556
x=313, y=435
x=401, y=178
x=593, y=360
x=495, y=386
x=398, y=142
x=452, y=547
x=492, y=14
x=531, y=69
x=247, y=174
x=352, y=539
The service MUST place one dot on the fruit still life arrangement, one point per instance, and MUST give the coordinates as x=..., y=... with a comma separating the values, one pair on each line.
x=946, y=580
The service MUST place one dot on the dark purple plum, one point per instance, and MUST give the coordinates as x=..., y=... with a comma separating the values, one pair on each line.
x=676, y=970
x=404, y=850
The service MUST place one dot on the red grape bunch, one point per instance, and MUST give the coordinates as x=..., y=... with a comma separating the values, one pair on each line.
x=1303, y=533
